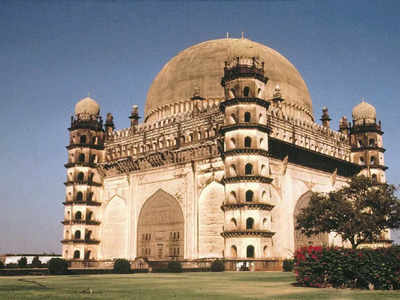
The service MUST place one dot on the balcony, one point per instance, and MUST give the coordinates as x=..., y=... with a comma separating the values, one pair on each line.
x=88, y=203
x=86, y=182
x=85, y=222
x=247, y=233
x=80, y=241
x=250, y=205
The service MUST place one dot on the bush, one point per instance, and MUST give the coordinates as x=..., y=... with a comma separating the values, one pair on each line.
x=288, y=265
x=348, y=268
x=2, y=266
x=22, y=262
x=36, y=263
x=217, y=266
x=58, y=266
x=175, y=267
x=122, y=266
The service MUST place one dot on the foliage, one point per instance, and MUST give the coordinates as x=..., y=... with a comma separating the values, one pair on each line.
x=122, y=266
x=58, y=266
x=36, y=263
x=350, y=268
x=175, y=267
x=217, y=266
x=358, y=212
x=22, y=262
x=2, y=266
x=288, y=265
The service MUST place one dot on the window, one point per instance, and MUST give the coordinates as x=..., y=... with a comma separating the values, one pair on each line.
x=90, y=196
x=233, y=196
x=232, y=93
x=88, y=235
x=233, y=142
x=83, y=139
x=78, y=215
x=362, y=161
x=259, y=93
x=371, y=142
x=87, y=255
x=247, y=116
x=250, y=251
x=233, y=222
x=89, y=216
x=232, y=170
x=234, y=251
x=249, y=196
x=373, y=160
x=246, y=91
x=233, y=118
x=77, y=254
x=77, y=235
x=80, y=176
x=249, y=223
x=248, y=169
x=94, y=140
x=247, y=142
x=79, y=196
x=81, y=158
x=92, y=158
x=90, y=180
x=374, y=178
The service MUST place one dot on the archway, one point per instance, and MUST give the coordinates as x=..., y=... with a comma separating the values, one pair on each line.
x=300, y=239
x=160, y=232
x=115, y=229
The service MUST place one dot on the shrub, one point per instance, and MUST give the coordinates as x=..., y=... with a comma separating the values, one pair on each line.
x=122, y=266
x=22, y=262
x=217, y=266
x=58, y=266
x=175, y=267
x=36, y=263
x=288, y=265
x=2, y=266
x=351, y=268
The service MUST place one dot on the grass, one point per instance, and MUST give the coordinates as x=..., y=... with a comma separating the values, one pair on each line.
x=184, y=286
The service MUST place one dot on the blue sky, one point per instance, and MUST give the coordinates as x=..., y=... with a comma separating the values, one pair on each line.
x=53, y=53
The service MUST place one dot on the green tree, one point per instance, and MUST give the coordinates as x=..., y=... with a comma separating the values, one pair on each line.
x=22, y=262
x=36, y=263
x=358, y=212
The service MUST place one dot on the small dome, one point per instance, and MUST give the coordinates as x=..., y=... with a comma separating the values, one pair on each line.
x=87, y=106
x=364, y=112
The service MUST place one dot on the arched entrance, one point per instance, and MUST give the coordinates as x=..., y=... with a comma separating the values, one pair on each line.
x=300, y=239
x=160, y=233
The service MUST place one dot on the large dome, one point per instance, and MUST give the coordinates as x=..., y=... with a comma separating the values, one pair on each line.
x=198, y=71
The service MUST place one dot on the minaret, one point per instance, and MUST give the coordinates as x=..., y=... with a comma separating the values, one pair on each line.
x=366, y=142
x=81, y=215
x=247, y=205
x=325, y=117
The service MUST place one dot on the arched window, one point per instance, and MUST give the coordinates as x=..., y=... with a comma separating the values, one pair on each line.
x=234, y=251
x=77, y=254
x=81, y=158
x=233, y=196
x=233, y=142
x=250, y=251
x=374, y=178
x=372, y=160
x=232, y=93
x=249, y=223
x=362, y=161
x=371, y=142
x=247, y=116
x=249, y=196
x=78, y=215
x=265, y=222
x=94, y=140
x=248, y=169
x=79, y=196
x=87, y=255
x=247, y=142
x=233, y=118
x=232, y=170
x=80, y=176
x=266, y=252
x=77, y=235
x=259, y=93
x=90, y=196
x=88, y=235
x=264, y=196
x=90, y=179
x=89, y=215
x=83, y=139
x=246, y=91
x=233, y=223
x=92, y=158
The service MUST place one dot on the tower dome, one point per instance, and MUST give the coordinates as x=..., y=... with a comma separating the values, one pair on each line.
x=364, y=113
x=197, y=71
x=87, y=106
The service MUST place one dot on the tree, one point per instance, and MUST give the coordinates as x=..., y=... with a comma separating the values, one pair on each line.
x=358, y=212
x=57, y=266
x=122, y=266
x=36, y=263
x=22, y=262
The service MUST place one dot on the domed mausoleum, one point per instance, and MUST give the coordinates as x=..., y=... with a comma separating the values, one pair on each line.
x=227, y=155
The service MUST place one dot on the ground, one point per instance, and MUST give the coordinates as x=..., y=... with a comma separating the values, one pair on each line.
x=186, y=286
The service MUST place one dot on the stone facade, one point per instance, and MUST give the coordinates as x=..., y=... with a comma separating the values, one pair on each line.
x=178, y=185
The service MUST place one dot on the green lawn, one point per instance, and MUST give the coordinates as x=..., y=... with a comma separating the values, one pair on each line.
x=184, y=286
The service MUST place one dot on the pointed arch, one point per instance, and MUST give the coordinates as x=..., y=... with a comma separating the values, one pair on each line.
x=300, y=239
x=160, y=215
